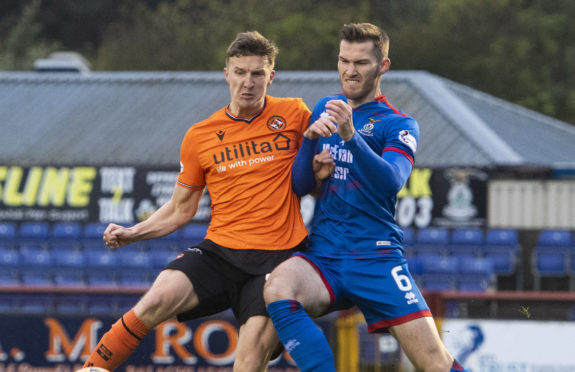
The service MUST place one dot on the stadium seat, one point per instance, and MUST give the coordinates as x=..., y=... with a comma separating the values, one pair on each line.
x=9, y=267
x=431, y=241
x=170, y=242
x=32, y=235
x=193, y=233
x=502, y=247
x=475, y=274
x=34, y=230
x=94, y=246
x=34, y=277
x=174, y=236
x=554, y=238
x=37, y=304
x=551, y=255
x=69, y=259
x=156, y=245
x=466, y=242
x=69, y=278
x=134, y=248
x=7, y=231
x=9, y=277
x=9, y=258
x=433, y=282
x=94, y=231
x=502, y=237
x=102, y=260
x=91, y=237
x=9, y=303
x=160, y=258
x=101, y=266
x=100, y=305
x=135, y=278
x=35, y=257
x=134, y=259
x=125, y=303
x=101, y=278
x=66, y=230
x=437, y=273
x=71, y=304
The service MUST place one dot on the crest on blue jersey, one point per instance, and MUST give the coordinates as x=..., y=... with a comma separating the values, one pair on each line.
x=367, y=129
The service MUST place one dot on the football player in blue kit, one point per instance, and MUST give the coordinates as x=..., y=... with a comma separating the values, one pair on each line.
x=356, y=252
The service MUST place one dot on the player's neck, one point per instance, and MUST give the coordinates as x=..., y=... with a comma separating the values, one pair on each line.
x=368, y=98
x=244, y=112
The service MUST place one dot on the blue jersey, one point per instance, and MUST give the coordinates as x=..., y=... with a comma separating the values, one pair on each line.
x=354, y=215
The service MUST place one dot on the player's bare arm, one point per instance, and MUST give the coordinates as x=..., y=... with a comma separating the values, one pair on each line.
x=179, y=210
x=341, y=113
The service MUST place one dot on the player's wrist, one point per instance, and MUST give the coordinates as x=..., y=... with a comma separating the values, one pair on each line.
x=347, y=137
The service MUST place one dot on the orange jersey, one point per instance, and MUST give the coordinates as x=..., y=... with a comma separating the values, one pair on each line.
x=246, y=166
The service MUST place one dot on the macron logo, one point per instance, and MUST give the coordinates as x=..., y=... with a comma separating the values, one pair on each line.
x=291, y=344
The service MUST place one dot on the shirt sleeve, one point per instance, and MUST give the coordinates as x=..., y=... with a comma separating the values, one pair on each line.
x=191, y=173
x=402, y=136
x=391, y=169
x=303, y=180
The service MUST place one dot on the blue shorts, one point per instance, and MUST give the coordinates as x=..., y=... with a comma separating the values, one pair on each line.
x=382, y=288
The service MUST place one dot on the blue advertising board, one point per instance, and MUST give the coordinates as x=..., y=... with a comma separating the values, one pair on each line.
x=62, y=343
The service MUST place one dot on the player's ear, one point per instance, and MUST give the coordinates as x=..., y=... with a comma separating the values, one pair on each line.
x=272, y=74
x=385, y=64
x=226, y=74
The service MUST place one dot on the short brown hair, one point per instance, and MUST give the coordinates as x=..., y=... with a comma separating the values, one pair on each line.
x=359, y=32
x=252, y=43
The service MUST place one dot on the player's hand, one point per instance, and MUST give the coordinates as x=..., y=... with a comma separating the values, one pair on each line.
x=322, y=127
x=117, y=236
x=323, y=165
x=341, y=113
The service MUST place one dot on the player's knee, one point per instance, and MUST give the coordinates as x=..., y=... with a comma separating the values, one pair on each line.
x=151, y=309
x=276, y=289
x=159, y=304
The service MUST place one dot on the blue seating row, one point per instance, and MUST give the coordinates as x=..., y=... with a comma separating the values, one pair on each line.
x=76, y=231
x=89, y=304
x=500, y=245
x=71, y=255
x=435, y=272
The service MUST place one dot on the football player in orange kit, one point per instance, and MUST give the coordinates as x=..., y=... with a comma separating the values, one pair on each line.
x=243, y=155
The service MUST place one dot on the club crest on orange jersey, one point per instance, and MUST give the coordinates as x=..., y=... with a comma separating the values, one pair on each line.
x=276, y=123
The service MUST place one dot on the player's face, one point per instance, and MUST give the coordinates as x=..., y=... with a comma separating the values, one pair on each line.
x=359, y=71
x=248, y=78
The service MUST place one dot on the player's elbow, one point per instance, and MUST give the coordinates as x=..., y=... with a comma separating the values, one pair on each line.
x=394, y=187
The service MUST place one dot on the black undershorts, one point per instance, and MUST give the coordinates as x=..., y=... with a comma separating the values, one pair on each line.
x=225, y=278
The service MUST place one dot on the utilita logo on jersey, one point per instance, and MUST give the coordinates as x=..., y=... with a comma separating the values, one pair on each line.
x=250, y=153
